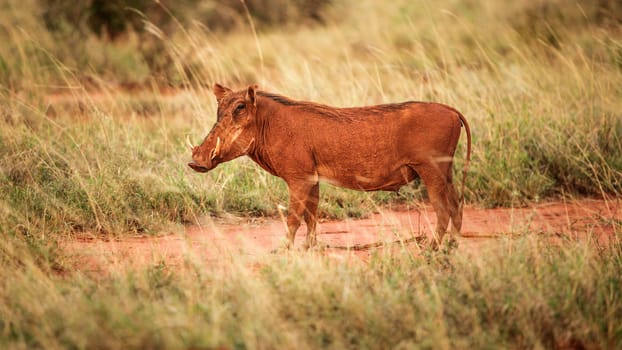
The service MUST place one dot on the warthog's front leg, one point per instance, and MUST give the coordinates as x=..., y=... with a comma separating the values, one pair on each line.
x=310, y=214
x=299, y=193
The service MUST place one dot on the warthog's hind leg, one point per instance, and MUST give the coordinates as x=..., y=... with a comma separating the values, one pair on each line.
x=437, y=185
x=455, y=210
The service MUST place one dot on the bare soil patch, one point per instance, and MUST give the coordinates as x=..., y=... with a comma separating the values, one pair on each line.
x=217, y=239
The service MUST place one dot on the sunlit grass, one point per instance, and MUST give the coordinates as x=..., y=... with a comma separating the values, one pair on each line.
x=545, y=119
x=93, y=143
x=516, y=293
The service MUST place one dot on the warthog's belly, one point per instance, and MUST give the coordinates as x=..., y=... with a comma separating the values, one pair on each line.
x=378, y=180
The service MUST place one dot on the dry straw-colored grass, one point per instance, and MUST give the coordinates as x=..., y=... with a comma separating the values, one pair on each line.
x=540, y=82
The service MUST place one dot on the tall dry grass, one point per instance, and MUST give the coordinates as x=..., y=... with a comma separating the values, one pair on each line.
x=79, y=154
x=522, y=293
x=545, y=116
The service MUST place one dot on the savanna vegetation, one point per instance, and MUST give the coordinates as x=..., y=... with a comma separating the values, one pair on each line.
x=98, y=98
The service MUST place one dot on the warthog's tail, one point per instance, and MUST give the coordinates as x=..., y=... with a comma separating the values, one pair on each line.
x=468, y=155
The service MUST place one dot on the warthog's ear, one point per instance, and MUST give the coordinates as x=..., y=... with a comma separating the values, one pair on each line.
x=220, y=91
x=250, y=95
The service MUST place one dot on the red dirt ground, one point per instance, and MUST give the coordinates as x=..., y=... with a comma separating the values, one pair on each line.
x=220, y=238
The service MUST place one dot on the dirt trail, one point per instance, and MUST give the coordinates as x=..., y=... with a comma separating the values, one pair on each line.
x=215, y=239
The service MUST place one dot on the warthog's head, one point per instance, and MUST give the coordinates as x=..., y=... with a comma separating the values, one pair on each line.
x=233, y=135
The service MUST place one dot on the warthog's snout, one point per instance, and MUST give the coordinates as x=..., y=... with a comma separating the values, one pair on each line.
x=197, y=167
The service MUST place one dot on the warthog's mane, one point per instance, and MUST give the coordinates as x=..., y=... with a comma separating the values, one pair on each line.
x=335, y=112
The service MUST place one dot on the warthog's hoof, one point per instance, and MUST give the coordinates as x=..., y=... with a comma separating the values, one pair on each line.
x=447, y=244
x=451, y=242
x=315, y=247
x=283, y=247
x=430, y=243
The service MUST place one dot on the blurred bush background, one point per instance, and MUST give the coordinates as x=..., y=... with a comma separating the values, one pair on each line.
x=143, y=24
x=126, y=40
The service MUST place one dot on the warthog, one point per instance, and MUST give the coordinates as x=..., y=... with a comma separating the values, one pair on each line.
x=375, y=148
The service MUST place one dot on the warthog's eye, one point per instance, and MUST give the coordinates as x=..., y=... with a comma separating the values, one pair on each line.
x=239, y=107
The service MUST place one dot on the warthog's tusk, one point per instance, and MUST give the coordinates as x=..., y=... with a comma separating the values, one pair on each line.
x=218, y=145
x=189, y=143
x=216, y=150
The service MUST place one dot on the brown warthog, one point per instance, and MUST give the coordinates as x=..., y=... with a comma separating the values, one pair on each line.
x=371, y=148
